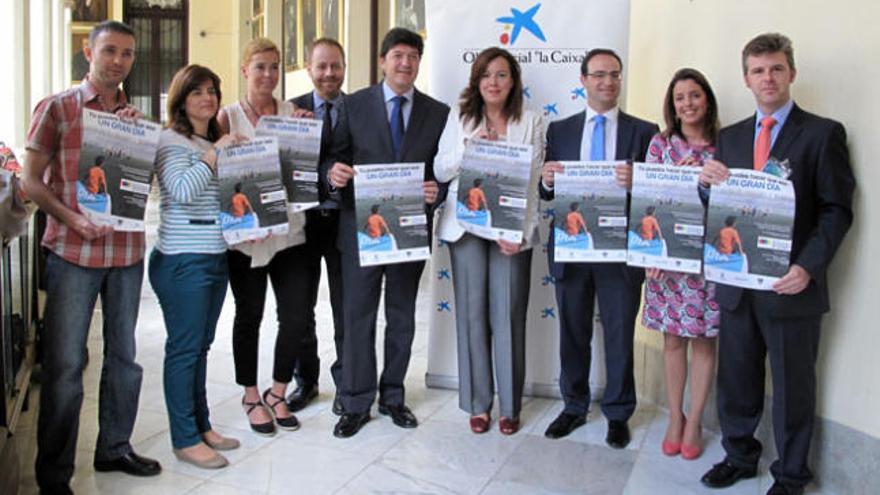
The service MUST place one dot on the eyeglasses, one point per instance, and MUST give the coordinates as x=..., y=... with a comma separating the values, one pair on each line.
x=615, y=75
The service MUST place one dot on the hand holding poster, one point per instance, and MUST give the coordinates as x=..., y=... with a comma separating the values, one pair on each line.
x=116, y=169
x=748, y=230
x=390, y=212
x=253, y=201
x=590, y=210
x=493, y=189
x=299, y=145
x=666, y=218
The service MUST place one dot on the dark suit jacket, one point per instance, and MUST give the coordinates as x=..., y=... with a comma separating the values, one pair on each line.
x=823, y=187
x=307, y=101
x=362, y=136
x=564, y=144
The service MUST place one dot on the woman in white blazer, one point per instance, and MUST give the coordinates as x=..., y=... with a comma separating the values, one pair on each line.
x=490, y=278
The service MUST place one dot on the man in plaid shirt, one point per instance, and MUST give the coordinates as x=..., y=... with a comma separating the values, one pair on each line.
x=85, y=261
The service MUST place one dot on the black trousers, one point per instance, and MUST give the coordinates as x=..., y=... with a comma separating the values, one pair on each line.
x=295, y=343
x=362, y=291
x=321, y=228
x=747, y=336
x=618, y=306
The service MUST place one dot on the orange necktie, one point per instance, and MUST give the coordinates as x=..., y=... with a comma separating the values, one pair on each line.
x=762, y=145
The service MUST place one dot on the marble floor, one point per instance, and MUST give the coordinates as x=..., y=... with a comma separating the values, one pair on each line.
x=441, y=456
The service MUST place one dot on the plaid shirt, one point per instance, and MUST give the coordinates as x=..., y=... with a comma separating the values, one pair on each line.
x=56, y=130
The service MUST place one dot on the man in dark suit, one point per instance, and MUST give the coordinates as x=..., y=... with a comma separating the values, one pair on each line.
x=784, y=322
x=618, y=287
x=326, y=68
x=386, y=123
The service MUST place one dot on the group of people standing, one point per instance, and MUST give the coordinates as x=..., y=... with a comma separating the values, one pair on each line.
x=394, y=122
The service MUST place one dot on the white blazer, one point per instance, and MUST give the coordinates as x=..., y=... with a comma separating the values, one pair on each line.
x=530, y=129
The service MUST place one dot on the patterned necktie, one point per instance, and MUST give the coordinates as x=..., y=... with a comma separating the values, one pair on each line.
x=762, y=145
x=397, y=124
x=597, y=143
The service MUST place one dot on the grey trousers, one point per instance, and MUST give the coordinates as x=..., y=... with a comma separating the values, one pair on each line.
x=491, y=298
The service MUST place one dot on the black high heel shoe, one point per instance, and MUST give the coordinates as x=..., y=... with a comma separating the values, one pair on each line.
x=289, y=423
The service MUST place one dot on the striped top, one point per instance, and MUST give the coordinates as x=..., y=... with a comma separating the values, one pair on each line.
x=190, y=197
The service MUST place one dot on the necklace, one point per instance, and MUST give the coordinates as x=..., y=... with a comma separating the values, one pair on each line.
x=258, y=114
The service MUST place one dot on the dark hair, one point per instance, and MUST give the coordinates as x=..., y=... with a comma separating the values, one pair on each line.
x=599, y=51
x=110, y=27
x=729, y=221
x=237, y=187
x=710, y=121
x=574, y=206
x=99, y=160
x=768, y=43
x=324, y=41
x=471, y=101
x=374, y=209
x=478, y=182
x=401, y=36
x=650, y=210
x=184, y=82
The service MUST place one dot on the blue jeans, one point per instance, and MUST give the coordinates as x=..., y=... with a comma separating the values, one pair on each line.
x=71, y=294
x=191, y=289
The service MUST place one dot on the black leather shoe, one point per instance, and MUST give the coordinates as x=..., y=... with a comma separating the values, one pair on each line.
x=338, y=409
x=132, y=464
x=301, y=397
x=56, y=489
x=400, y=415
x=725, y=474
x=563, y=425
x=779, y=489
x=618, y=434
x=349, y=424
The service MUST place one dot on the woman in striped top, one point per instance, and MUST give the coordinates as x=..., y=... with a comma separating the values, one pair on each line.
x=188, y=266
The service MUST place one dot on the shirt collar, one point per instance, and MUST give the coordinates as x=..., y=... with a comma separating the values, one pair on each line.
x=318, y=101
x=389, y=93
x=90, y=93
x=610, y=115
x=781, y=115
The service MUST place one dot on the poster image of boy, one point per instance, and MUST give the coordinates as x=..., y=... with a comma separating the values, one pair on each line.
x=376, y=226
x=727, y=237
x=650, y=226
x=476, y=198
x=239, y=203
x=96, y=180
x=645, y=235
x=92, y=191
x=574, y=221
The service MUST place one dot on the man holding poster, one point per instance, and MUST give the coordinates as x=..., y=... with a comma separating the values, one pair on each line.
x=784, y=322
x=388, y=123
x=583, y=137
x=85, y=261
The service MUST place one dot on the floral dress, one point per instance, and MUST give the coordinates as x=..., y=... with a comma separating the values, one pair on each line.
x=680, y=304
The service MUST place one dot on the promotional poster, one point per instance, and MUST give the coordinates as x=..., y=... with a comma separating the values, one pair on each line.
x=116, y=169
x=390, y=212
x=493, y=189
x=299, y=146
x=590, y=210
x=253, y=201
x=748, y=230
x=665, y=218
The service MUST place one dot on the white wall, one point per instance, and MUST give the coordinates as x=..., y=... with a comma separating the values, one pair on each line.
x=836, y=56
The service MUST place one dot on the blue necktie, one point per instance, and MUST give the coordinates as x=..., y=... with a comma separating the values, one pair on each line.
x=397, y=124
x=597, y=143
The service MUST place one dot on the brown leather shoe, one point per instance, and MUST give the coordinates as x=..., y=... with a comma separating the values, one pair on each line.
x=508, y=426
x=479, y=424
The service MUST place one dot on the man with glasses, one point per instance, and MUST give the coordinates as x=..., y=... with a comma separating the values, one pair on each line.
x=601, y=132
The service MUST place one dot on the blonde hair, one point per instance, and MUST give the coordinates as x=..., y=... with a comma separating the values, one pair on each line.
x=258, y=45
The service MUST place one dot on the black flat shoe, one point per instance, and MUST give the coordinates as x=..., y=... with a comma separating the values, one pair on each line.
x=338, y=409
x=266, y=429
x=289, y=423
x=725, y=474
x=780, y=489
x=302, y=397
x=618, y=434
x=349, y=424
x=132, y=464
x=563, y=425
x=400, y=415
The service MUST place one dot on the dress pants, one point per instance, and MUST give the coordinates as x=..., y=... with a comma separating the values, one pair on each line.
x=321, y=228
x=491, y=299
x=191, y=289
x=748, y=334
x=618, y=306
x=288, y=272
x=71, y=293
x=362, y=290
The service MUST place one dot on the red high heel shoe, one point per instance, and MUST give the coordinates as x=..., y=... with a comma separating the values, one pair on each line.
x=479, y=424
